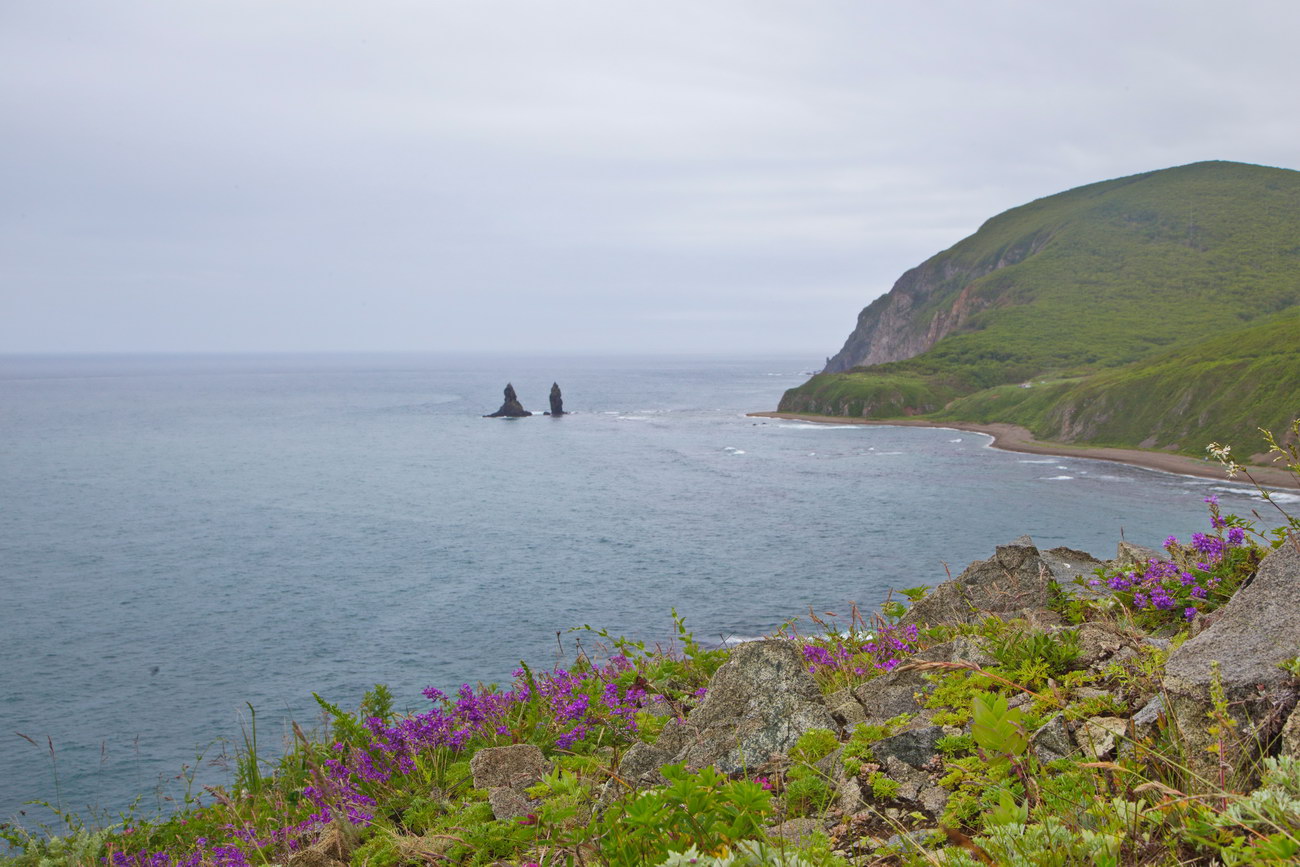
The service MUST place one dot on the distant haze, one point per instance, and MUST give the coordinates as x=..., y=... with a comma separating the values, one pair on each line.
x=593, y=176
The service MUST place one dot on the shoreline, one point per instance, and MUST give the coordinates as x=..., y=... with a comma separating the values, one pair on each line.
x=1013, y=438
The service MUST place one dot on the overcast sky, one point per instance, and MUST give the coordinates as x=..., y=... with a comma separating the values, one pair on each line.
x=251, y=175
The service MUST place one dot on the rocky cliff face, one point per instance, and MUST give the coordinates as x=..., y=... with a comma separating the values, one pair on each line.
x=928, y=303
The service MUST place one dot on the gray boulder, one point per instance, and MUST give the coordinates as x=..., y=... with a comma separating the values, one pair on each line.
x=1067, y=565
x=1098, y=642
x=915, y=747
x=1052, y=741
x=846, y=709
x=1130, y=556
x=505, y=772
x=1254, y=632
x=1015, y=581
x=759, y=703
x=516, y=767
x=640, y=765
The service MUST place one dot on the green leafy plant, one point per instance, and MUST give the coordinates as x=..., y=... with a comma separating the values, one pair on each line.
x=703, y=810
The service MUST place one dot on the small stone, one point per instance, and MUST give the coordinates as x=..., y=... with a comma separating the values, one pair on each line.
x=848, y=796
x=798, y=831
x=1146, y=719
x=910, y=780
x=1291, y=735
x=508, y=803
x=1052, y=741
x=933, y=799
x=915, y=747
x=1098, y=736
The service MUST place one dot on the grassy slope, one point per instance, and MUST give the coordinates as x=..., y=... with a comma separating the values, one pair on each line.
x=1131, y=268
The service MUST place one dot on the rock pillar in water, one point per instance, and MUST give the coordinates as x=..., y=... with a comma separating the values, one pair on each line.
x=557, y=402
x=511, y=408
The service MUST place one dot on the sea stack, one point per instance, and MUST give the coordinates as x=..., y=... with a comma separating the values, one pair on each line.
x=511, y=408
x=557, y=402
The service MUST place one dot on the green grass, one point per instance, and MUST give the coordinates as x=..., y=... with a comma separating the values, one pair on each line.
x=1097, y=282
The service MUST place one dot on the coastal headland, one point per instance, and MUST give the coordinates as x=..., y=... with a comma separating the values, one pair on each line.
x=1013, y=438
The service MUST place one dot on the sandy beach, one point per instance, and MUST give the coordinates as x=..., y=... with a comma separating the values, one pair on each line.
x=1014, y=438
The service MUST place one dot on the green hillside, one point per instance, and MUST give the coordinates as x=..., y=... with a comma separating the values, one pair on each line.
x=1157, y=311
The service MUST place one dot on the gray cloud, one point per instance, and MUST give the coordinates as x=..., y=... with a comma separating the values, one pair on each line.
x=652, y=176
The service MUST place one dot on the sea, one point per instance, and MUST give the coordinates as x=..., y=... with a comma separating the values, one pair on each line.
x=191, y=546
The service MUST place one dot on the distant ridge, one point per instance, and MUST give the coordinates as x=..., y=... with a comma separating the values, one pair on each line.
x=1159, y=310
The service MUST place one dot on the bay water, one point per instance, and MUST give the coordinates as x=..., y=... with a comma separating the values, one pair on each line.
x=186, y=538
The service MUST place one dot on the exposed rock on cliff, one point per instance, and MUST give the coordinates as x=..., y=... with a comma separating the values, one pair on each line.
x=927, y=304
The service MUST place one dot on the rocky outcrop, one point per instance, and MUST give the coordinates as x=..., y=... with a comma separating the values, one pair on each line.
x=1251, y=635
x=511, y=407
x=758, y=705
x=1015, y=581
x=557, y=401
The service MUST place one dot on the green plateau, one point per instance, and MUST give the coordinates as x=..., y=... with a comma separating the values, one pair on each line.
x=1158, y=311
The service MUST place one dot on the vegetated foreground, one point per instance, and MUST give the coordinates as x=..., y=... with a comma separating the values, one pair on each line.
x=1043, y=707
x=1155, y=311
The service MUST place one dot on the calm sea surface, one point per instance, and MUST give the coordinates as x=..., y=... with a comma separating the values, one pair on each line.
x=181, y=537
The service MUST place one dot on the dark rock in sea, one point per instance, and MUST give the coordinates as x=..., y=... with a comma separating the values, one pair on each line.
x=511, y=408
x=557, y=402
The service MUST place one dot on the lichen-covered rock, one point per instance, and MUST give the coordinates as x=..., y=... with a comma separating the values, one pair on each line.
x=641, y=763
x=846, y=709
x=915, y=747
x=517, y=767
x=1254, y=632
x=508, y=803
x=1130, y=556
x=1068, y=565
x=759, y=703
x=1291, y=735
x=910, y=780
x=1052, y=740
x=797, y=831
x=1015, y=581
x=1098, y=642
x=1099, y=735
